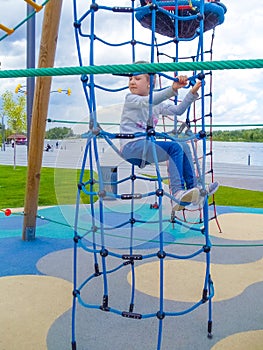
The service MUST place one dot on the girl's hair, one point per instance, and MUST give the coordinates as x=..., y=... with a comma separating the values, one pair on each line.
x=141, y=62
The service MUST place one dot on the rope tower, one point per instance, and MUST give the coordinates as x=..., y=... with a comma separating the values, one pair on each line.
x=119, y=214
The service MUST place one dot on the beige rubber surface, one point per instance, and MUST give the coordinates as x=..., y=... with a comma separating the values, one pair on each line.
x=29, y=305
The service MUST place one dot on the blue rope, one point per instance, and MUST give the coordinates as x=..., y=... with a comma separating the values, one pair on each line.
x=94, y=240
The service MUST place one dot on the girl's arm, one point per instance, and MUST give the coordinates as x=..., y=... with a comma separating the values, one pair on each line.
x=136, y=101
x=180, y=108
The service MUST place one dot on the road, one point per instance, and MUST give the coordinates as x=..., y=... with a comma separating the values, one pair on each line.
x=70, y=155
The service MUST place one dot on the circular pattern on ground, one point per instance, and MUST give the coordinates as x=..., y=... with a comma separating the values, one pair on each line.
x=238, y=226
x=184, y=280
x=251, y=340
x=29, y=306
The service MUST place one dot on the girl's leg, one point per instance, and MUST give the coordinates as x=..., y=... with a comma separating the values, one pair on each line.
x=172, y=151
x=176, y=163
x=188, y=167
x=133, y=152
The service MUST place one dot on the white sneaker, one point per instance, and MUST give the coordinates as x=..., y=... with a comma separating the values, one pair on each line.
x=210, y=189
x=186, y=197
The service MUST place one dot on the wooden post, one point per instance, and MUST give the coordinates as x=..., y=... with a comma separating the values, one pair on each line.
x=39, y=115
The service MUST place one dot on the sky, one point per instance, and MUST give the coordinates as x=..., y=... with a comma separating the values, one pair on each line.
x=237, y=94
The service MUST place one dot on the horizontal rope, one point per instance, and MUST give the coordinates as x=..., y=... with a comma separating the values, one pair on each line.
x=168, y=125
x=245, y=245
x=134, y=68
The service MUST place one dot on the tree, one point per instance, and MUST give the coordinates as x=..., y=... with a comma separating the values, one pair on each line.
x=59, y=133
x=15, y=111
x=244, y=135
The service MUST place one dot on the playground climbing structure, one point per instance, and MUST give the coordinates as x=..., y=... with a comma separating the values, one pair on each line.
x=120, y=222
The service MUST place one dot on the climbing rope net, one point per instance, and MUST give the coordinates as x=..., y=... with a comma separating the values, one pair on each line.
x=123, y=212
x=183, y=22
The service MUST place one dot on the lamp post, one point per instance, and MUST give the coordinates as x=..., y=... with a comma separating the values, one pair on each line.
x=30, y=63
x=21, y=89
x=67, y=92
x=3, y=133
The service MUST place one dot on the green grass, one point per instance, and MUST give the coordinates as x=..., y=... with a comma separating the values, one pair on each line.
x=59, y=186
x=230, y=196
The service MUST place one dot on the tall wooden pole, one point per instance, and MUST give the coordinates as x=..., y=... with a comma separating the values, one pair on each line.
x=39, y=115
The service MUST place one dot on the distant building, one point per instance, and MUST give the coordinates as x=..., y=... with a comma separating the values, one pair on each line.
x=19, y=139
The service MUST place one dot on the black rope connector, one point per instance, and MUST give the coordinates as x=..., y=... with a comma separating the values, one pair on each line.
x=200, y=76
x=206, y=248
x=209, y=330
x=102, y=194
x=132, y=221
x=172, y=219
x=94, y=228
x=124, y=136
x=150, y=131
x=133, y=42
x=76, y=24
x=92, y=182
x=104, y=252
x=80, y=185
x=122, y=9
x=97, y=270
x=75, y=293
x=76, y=239
x=202, y=134
x=153, y=7
x=161, y=255
x=84, y=78
x=104, y=306
x=126, y=196
x=204, y=297
x=160, y=315
x=200, y=17
x=159, y=192
x=132, y=257
x=94, y=7
x=96, y=131
x=131, y=315
x=133, y=177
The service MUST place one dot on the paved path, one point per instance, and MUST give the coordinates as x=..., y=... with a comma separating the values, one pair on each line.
x=71, y=155
x=239, y=176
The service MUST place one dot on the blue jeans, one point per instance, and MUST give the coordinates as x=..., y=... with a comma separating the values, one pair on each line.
x=180, y=167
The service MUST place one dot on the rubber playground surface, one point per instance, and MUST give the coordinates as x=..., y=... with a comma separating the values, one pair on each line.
x=36, y=286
